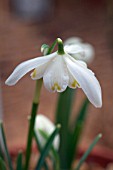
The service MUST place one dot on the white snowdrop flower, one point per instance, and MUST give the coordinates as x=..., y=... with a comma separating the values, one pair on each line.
x=60, y=70
x=72, y=40
x=89, y=51
x=44, y=124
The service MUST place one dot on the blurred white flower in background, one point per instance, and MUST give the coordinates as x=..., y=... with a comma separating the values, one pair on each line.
x=44, y=124
x=89, y=51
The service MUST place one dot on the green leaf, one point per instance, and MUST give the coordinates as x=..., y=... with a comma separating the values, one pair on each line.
x=19, y=161
x=47, y=147
x=1, y=153
x=63, y=113
x=75, y=136
x=84, y=157
x=5, y=146
x=82, y=113
x=54, y=153
x=2, y=164
x=40, y=150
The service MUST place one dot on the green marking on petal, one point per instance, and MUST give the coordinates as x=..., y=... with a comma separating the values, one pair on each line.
x=56, y=87
x=75, y=84
x=34, y=73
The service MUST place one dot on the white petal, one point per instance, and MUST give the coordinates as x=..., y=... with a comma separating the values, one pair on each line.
x=39, y=71
x=87, y=81
x=73, y=40
x=27, y=66
x=56, y=76
x=89, y=52
x=82, y=63
x=74, y=49
x=72, y=81
x=43, y=123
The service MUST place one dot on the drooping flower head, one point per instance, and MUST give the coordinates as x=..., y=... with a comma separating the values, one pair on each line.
x=60, y=70
x=42, y=123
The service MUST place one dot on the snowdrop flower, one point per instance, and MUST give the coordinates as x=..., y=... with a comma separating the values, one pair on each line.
x=88, y=49
x=60, y=70
x=44, y=124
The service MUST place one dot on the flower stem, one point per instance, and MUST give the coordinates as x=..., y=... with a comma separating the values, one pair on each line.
x=64, y=107
x=60, y=46
x=52, y=47
x=32, y=121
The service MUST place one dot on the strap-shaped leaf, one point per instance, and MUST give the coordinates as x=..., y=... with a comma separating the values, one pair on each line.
x=5, y=146
x=63, y=113
x=2, y=164
x=19, y=161
x=79, y=124
x=84, y=157
x=40, y=150
x=54, y=154
x=75, y=136
x=47, y=147
x=1, y=153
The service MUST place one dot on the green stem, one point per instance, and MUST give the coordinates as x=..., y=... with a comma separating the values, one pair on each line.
x=63, y=112
x=60, y=47
x=52, y=47
x=32, y=121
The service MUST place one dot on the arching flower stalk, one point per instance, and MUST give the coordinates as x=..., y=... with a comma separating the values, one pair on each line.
x=60, y=70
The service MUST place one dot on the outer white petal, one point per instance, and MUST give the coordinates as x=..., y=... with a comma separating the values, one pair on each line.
x=43, y=123
x=82, y=63
x=27, y=66
x=72, y=82
x=39, y=71
x=87, y=81
x=74, y=49
x=89, y=52
x=56, y=76
x=73, y=40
